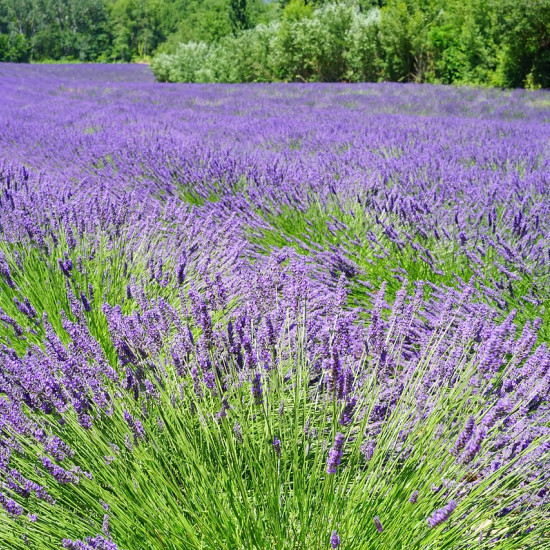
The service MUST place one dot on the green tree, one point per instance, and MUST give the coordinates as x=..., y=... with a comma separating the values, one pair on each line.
x=525, y=54
x=404, y=28
x=14, y=47
x=239, y=16
x=54, y=29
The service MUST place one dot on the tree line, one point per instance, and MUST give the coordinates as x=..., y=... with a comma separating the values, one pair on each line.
x=118, y=30
x=488, y=42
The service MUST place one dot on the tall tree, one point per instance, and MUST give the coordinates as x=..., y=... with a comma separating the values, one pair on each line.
x=240, y=19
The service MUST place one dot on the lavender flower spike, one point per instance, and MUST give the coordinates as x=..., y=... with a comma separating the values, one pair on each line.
x=335, y=454
x=464, y=436
x=473, y=447
x=378, y=524
x=10, y=505
x=441, y=515
x=334, y=539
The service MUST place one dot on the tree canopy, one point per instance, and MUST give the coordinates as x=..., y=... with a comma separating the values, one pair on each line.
x=492, y=42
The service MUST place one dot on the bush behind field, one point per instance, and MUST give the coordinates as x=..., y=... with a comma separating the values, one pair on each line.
x=440, y=42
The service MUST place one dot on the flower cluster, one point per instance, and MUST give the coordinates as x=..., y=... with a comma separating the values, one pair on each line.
x=229, y=319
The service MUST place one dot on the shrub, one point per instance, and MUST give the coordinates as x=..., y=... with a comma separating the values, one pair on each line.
x=335, y=42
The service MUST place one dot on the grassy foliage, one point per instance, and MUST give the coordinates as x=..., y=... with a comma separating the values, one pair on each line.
x=435, y=41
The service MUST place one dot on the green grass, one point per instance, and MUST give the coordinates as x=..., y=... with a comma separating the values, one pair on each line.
x=381, y=263
x=193, y=482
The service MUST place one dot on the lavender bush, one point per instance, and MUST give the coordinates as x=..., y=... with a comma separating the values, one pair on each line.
x=271, y=316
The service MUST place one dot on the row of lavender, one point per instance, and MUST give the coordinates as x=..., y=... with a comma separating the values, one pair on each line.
x=271, y=316
x=458, y=191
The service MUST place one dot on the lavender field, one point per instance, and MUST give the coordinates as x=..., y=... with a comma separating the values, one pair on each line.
x=276, y=316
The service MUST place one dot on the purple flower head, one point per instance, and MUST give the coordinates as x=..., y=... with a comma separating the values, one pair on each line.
x=222, y=413
x=473, y=446
x=257, y=388
x=196, y=381
x=414, y=498
x=10, y=506
x=335, y=454
x=441, y=515
x=277, y=446
x=62, y=476
x=5, y=270
x=85, y=302
x=333, y=371
x=106, y=526
x=464, y=436
x=378, y=524
x=66, y=266
x=238, y=432
x=92, y=543
x=334, y=539
x=221, y=291
x=347, y=414
x=367, y=449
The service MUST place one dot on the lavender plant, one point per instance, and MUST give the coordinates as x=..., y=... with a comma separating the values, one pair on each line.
x=224, y=326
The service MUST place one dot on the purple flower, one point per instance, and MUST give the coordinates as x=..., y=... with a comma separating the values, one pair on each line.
x=367, y=448
x=238, y=432
x=60, y=475
x=414, y=497
x=222, y=413
x=257, y=388
x=5, y=270
x=10, y=505
x=441, y=515
x=92, y=543
x=335, y=454
x=277, y=446
x=106, y=526
x=334, y=539
x=66, y=266
x=378, y=524
x=85, y=302
x=347, y=414
x=333, y=371
x=464, y=436
x=473, y=446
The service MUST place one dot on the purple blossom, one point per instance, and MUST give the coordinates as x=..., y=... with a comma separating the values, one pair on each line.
x=106, y=526
x=347, y=413
x=464, y=436
x=257, y=390
x=441, y=515
x=10, y=506
x=335, y=454
x=378, y=524
x=61, y=475
x=92, y=543
x=85, y=302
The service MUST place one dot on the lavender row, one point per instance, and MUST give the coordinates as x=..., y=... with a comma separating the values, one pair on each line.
x=230, y=309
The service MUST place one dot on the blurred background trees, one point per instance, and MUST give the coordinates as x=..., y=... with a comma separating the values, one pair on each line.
x=489, y=42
